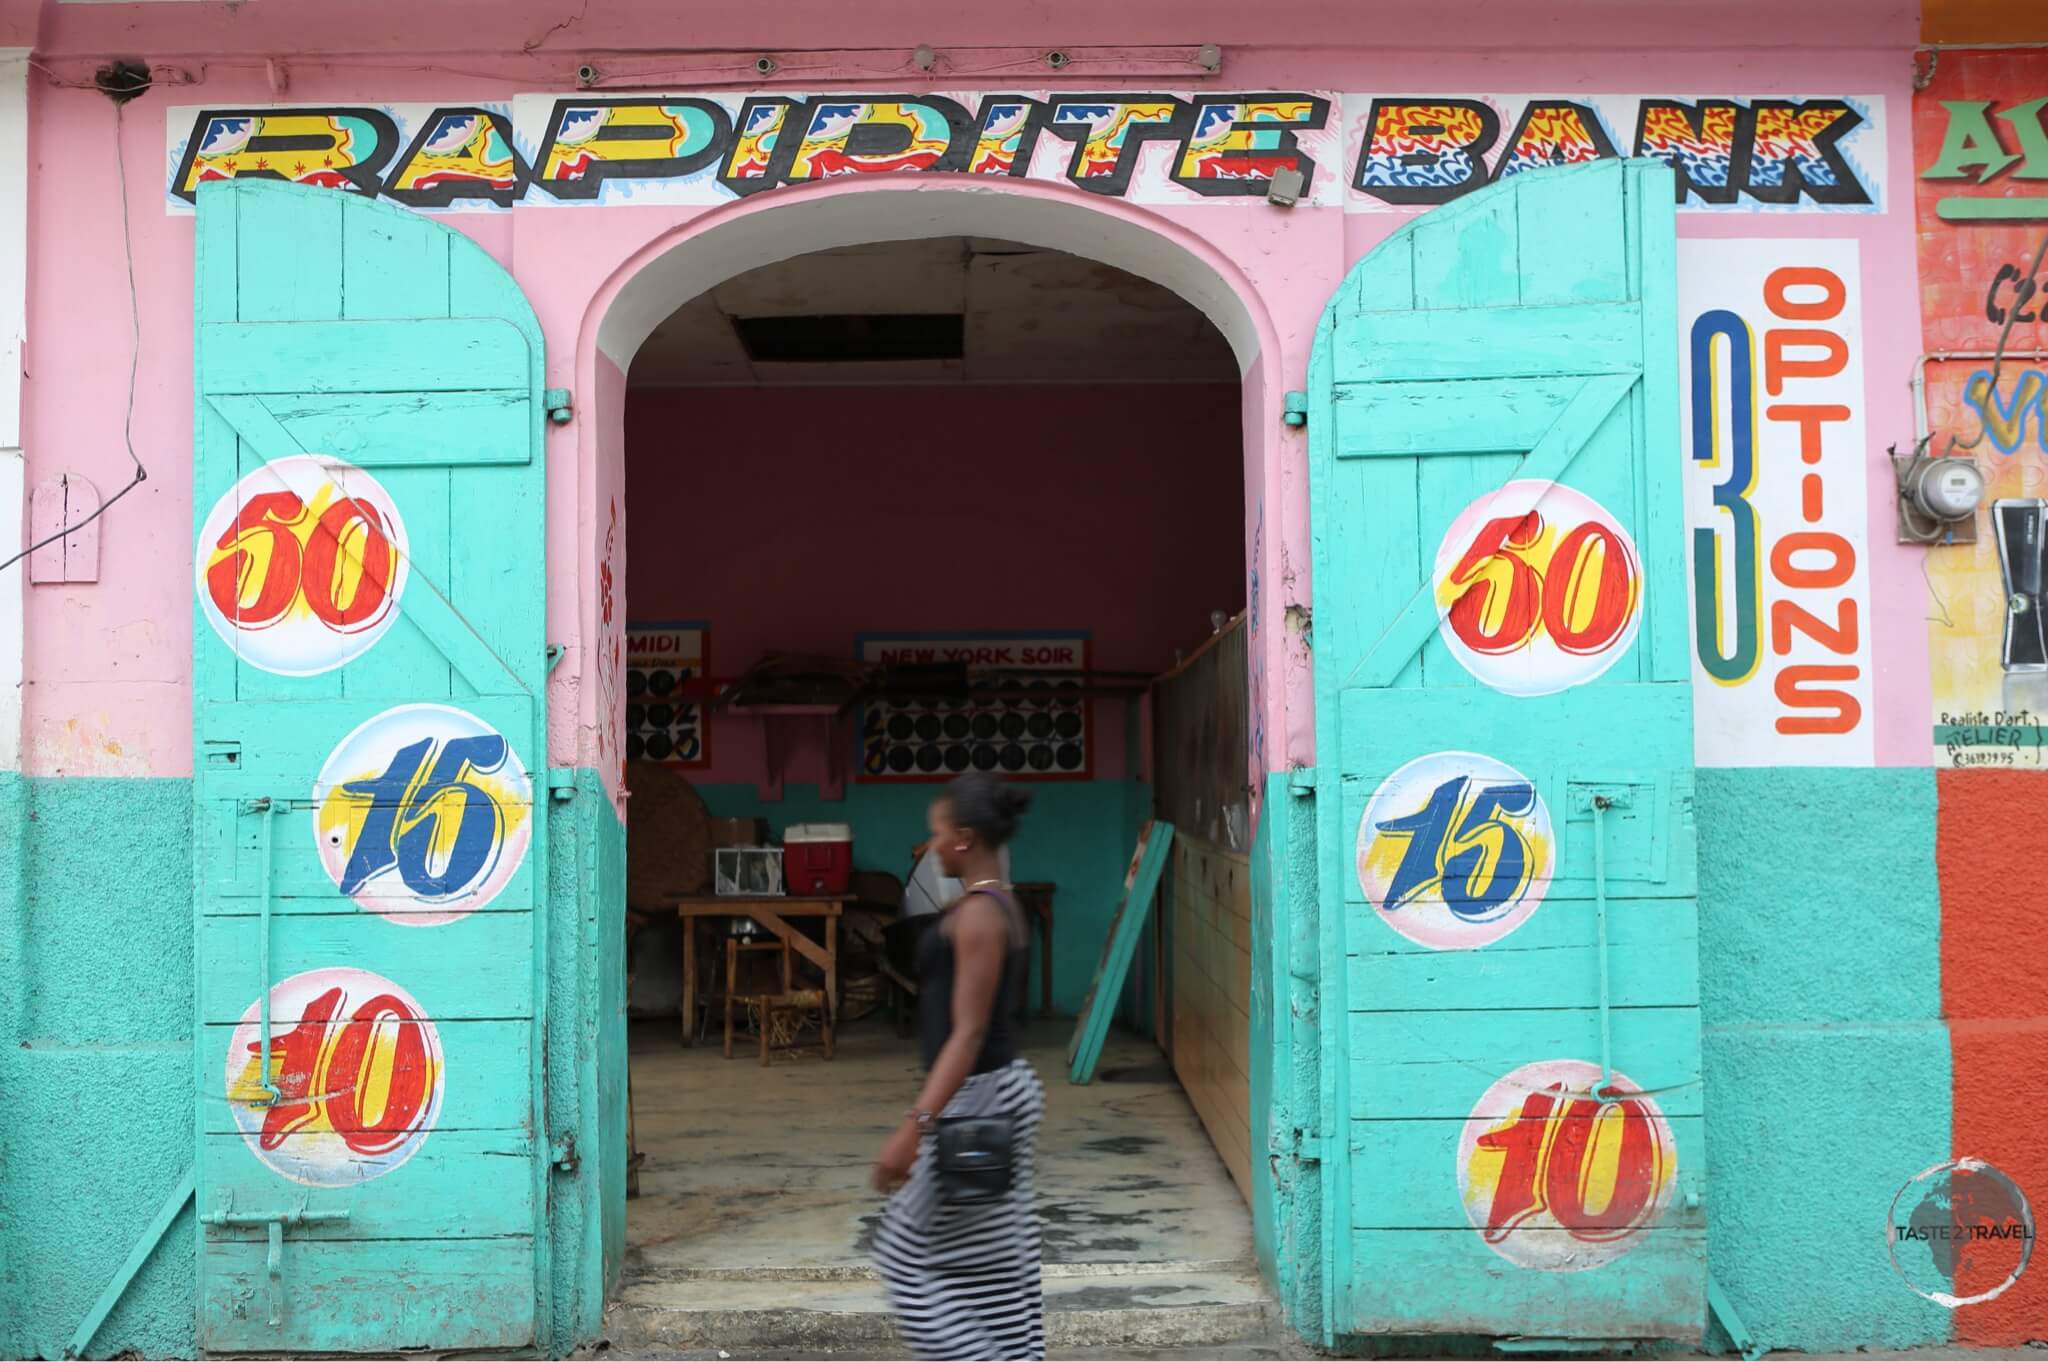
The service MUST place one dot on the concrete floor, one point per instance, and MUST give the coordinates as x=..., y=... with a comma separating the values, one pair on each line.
x=750, y=1232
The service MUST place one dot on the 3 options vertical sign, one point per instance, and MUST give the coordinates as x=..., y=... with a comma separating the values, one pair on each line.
x=1775, y=454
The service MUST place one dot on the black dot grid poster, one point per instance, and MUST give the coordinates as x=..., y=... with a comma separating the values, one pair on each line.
x=664, y=721
x=1039, y=729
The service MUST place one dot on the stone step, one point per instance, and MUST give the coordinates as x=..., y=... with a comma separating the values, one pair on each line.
x=1117, y=1309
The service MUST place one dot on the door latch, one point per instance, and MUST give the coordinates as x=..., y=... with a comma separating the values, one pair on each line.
x=562, y=1154
x=273, y=1223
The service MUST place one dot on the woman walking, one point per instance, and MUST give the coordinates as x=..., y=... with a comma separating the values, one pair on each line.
x=959, y=1245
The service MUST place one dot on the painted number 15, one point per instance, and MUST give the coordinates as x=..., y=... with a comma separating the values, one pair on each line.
x=1464, y=848
x=441, y=832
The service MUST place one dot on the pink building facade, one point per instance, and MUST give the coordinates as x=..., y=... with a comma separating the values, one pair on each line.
x=601, y=158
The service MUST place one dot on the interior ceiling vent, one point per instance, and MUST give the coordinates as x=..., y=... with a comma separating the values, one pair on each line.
x=848, y=338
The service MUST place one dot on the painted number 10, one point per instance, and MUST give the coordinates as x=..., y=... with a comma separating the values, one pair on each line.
x=371, y=1074
x=1556, y=1156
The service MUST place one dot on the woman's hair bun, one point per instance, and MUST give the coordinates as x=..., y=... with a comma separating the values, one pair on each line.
x=988, y=804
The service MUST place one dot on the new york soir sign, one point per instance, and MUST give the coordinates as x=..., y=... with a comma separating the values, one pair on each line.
x=1364, y=152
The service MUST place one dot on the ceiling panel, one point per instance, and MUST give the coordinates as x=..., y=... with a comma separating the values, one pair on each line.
x=1030, y=316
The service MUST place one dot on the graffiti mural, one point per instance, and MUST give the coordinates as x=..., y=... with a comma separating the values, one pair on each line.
x=713, y=148
x=1729, y=154
x=1982, y=155
x=1537, y=603
x=458, y=155
x=665, y=670
x=1404, y=151
x=332, y=148
x=1560, y=1171
x=423, y=814
x=355, y=1080
x=1455, y=850
x=301, y=564
x=1771, y=390
x=1025, y=714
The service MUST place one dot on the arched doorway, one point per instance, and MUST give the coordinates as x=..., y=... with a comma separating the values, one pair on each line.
x=738, y=387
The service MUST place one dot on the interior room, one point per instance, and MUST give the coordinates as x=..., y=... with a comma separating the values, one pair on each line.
x=896, y=512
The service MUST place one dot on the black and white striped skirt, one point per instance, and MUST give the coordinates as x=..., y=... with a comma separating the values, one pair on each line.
x=964, y=1280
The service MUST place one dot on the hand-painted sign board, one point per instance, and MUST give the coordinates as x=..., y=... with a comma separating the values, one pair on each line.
x=1388, y=151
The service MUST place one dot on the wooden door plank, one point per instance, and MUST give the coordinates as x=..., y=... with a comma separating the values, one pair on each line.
x=459, y=1184
x=345, y=1296
x=1589, y=407
x=1475, y=342
x=460, y=354
x=1452, y=1280
x=1126, y=925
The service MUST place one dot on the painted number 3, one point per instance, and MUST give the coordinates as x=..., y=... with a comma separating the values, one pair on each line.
x=1460, y=845
x=442, y=832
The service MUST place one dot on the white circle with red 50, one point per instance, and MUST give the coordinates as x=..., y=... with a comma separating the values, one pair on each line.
x=1560, y=1171
x=1538, y=587
x=1455, y=850
x=423, y=814
x=301, y=565
x=355, y=1080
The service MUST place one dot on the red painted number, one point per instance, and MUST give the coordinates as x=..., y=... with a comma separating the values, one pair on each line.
x=1552, y=1155
x=301, y=561
x=1549, y=597
x=322, y=1066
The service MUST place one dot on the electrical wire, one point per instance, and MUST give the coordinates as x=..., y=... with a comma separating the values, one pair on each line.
x=134, y=361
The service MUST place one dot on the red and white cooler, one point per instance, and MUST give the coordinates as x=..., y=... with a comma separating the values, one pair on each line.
x=817, y=858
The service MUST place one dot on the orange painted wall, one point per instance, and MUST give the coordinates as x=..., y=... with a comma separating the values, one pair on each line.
x=1991, y=848
x=1983, y=21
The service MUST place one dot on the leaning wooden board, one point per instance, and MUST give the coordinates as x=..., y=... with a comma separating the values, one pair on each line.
x=1141, y=882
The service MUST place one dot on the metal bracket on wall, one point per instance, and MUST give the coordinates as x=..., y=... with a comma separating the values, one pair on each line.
x=1294, y=409
x=556, y=400
x=1723, y=1312
x=561, y=784
x=1301, y=782
x=137, y=1256
x=272, y=1223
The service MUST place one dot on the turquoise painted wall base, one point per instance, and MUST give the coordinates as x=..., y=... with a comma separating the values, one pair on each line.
x=1827, y=1062
x=1827, y=1065
x=96, y=1063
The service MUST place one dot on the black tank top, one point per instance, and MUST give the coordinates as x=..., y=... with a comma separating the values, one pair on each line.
x=935, y=990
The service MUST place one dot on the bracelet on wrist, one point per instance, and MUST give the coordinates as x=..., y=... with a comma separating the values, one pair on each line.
x=920, y=1118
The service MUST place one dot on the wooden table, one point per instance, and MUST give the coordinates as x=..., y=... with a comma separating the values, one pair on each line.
x=772, y=912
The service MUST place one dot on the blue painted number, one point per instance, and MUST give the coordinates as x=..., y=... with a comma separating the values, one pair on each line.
x=1449, y=843
x=407, y=816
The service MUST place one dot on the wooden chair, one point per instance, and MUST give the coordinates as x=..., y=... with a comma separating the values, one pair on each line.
x=786, y=1002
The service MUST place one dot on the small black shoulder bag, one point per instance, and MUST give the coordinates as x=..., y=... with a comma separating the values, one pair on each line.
x=974, y=1157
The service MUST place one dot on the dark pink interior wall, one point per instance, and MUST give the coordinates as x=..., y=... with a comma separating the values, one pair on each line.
x=796, y=519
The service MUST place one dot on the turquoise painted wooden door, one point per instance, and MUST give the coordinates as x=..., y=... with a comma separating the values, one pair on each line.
x=1505, y=777
x=368, y=675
